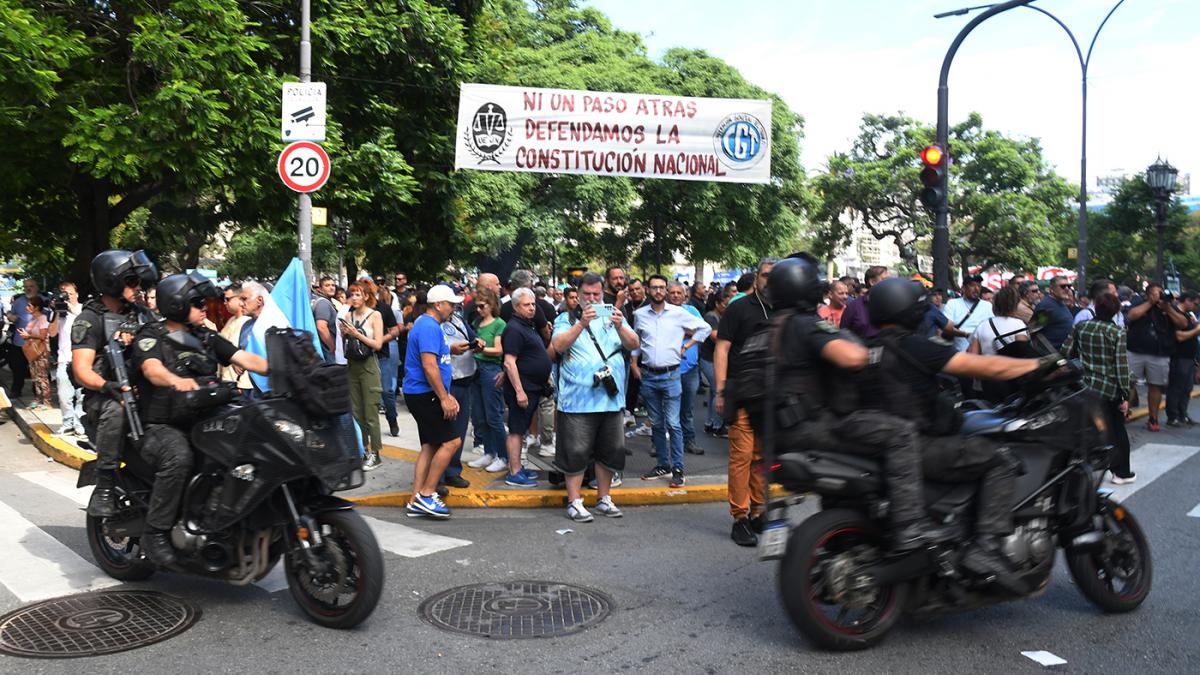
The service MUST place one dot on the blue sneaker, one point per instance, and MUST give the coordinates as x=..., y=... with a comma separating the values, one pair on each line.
x=520, y=479
x=431, y=506
x=530, y=473
x=413, y=512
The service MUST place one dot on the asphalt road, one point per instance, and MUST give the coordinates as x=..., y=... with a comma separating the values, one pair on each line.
x=685, y=598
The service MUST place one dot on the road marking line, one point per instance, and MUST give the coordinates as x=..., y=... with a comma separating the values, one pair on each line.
x=1150, y=462
x=1195, y=513
x=409, y=541
x=37, y=566
x=60, y=484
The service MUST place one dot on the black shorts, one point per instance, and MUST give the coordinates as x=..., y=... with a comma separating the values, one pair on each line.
x=589, y=437
x=432, y=426
x=520, y=418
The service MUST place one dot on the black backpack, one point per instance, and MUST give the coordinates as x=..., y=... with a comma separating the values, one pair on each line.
x=297, y=370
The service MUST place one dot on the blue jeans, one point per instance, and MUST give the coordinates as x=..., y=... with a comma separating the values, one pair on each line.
x=713, y=420
x=387, y=379
x=662, y=392
x=461, y=391
x=488, y=401
x=687, y=400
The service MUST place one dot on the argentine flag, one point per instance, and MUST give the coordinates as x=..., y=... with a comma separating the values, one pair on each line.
x=288, y=305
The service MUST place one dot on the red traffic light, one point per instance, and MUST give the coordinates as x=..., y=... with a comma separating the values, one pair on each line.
x=932, y=155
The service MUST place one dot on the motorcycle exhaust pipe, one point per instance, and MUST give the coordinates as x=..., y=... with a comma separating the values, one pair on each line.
x=215, y=556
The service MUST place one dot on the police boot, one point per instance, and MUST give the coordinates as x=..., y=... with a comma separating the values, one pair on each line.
x=156, y=544
x=906, y=537
x=103, y=503
x=986, y=558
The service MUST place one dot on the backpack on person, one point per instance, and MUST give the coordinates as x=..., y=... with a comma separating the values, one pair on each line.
x=297, y=370
x=355, y=349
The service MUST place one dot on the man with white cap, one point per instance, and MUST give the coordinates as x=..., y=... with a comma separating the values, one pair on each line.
x=427, y=377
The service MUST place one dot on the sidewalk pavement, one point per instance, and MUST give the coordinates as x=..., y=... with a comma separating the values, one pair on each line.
x=391, y=483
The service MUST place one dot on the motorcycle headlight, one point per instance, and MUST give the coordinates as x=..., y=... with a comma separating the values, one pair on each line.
x=290, y=429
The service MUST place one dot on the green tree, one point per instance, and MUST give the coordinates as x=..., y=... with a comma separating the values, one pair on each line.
x=1123, y=236
x=1007, y=207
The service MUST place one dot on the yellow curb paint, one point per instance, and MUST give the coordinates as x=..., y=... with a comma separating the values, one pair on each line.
x=475, y=476
x=533, y=499
x=58, y=449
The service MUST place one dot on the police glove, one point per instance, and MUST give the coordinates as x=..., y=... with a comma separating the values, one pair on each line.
x=113, y=390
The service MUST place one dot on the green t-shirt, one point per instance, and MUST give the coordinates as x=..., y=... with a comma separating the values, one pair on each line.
x=488, y=334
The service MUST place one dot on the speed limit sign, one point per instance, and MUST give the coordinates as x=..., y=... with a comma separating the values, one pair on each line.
x=304, y=166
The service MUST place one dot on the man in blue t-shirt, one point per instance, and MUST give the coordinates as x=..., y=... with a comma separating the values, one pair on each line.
x=427, y=377
x=591, y=395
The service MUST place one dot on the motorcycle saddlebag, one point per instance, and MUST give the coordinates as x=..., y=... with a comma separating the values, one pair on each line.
x=828, y=473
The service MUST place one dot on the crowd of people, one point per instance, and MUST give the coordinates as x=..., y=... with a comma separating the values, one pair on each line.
x=565, y=371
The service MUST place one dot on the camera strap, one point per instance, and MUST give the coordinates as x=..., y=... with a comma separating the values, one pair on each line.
x=598, y=347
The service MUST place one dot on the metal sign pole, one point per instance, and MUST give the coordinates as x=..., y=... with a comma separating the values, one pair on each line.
x=304, y=201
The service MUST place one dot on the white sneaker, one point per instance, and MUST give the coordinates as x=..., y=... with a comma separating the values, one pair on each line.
x=478, y=449
x=498, y=464
x=1117, y=480
x=644, y=430
x=530, y=441
x=547, y=450
x=577, y=513
x=481, y=462
x=606, y=507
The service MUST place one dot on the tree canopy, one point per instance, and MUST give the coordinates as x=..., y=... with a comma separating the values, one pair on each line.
x=1007, y=207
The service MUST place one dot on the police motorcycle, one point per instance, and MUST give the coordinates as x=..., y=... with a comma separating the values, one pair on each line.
x=262, y=489
x=844, y=590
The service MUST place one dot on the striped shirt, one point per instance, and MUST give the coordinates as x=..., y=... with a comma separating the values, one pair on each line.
x=1101, y=347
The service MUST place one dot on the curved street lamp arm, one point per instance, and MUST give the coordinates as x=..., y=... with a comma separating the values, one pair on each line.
x=1088, y=59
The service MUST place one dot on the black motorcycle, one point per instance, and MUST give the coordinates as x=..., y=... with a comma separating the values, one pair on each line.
x=844, y=589
x=262, y=489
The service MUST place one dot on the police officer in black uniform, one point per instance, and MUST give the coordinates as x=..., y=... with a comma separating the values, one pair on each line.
x=816, y=398
x=177, y=360
x=118, y=276
x=908, y=387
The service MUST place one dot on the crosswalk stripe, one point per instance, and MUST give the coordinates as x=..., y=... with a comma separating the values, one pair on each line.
x=58, y=483
x=1195, y=512
x=1150, y=462
x=409, y=541
x=37, y=566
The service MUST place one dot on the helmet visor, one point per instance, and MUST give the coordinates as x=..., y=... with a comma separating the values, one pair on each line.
x=145, y=270
x=199, y=286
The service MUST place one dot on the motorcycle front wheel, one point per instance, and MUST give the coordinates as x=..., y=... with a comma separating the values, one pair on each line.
x=341, y=585
x=816, y=582
x=1116, y=575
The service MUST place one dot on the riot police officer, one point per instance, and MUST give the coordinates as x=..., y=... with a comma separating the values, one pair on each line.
x=816, y=398
x=118, y=276
x=907, y=386
x=177, y=360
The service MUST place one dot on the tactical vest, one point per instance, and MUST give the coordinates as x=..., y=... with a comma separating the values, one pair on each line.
x=800, y=394
x=110, y=323
x=883, y=389
x=184, y=354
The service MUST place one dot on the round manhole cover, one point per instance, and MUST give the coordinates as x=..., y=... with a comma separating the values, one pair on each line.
x=93, y=623
x=517, y=609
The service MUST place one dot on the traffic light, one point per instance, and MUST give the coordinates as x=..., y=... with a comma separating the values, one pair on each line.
x=933, y=177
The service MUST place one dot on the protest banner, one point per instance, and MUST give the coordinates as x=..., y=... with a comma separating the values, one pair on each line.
x=503, y=128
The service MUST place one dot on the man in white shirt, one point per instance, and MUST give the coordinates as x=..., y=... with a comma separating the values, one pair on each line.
x=1096, y=288
x=967, y=312
x=662, y=328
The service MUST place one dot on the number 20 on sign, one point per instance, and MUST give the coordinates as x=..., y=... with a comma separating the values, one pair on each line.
x=304, y=166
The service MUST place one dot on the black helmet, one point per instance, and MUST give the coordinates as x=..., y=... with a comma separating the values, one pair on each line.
x=179, y=292
x=115, y=270
x=898, y=301
x=796, y=282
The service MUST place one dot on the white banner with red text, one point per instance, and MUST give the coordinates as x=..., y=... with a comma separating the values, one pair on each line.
x=595, y=133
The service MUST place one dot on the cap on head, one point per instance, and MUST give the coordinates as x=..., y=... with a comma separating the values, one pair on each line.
x=442, y=293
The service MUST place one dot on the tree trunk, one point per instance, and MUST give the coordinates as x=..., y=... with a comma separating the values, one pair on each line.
x=94, y=229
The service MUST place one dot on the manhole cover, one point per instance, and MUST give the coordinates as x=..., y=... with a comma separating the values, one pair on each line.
x=93, y=623
x=517, y=609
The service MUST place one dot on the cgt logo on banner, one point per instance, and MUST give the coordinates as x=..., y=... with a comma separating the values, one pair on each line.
x=611, y=134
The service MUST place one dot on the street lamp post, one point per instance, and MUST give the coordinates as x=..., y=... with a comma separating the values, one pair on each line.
x=1084, y=62
x=1161, y=177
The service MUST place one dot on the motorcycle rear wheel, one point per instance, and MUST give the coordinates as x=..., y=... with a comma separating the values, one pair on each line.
x=805, y=583
x=1116, y=577
x=345, y=593
x=119, y=558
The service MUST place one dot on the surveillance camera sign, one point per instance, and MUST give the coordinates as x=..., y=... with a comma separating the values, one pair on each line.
x=303, y=115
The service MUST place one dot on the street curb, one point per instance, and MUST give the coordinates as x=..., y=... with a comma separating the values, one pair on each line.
x=543, y=498
x=55, y=448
